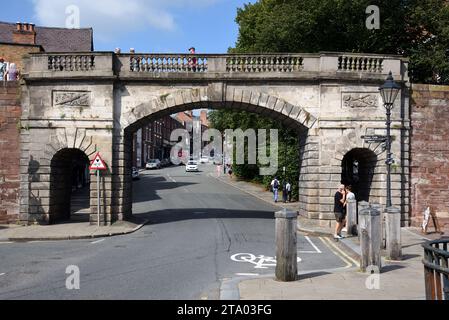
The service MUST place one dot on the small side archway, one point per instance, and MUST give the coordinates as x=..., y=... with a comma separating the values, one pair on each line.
x=358, y=167
x=69, y=186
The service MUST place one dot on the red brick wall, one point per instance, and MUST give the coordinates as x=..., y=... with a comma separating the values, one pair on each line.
x=10, y=112
x=16, y=52
x=430, y=152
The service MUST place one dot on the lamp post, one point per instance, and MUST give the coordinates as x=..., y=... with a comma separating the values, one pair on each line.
x=389, y=92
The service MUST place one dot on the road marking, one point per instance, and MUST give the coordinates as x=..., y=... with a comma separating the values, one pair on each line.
x=247, y=274
x=2, y=274
x=342, y=255
x=259, y=262
x=170, y=178
x=332, y=248
x=6, y=242
x=98, y=241
x=313, y=245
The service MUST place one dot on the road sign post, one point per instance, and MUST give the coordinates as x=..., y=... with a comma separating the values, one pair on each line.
x=98, y=164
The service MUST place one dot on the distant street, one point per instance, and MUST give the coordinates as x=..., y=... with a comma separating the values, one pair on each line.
x=201, y=232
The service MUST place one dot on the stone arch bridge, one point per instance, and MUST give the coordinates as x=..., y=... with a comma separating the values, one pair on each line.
x=89, y=102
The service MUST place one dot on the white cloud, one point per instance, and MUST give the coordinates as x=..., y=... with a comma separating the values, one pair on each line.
x=110, y=18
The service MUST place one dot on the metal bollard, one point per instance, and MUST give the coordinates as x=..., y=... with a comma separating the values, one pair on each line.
x=370, y=236
x=286, y=250
x=351, y=217
x=393, y=226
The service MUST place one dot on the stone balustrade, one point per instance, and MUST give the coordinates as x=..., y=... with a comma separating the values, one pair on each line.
x=264, y=63
x=71, y=62
x=161, y=66
x=360, y=64
x=167, y=63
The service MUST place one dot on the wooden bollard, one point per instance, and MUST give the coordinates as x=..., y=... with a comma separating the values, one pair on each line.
x=375, y=236
x=286, y=250
x=370, y=236
x=361, y=205
x=351, y=217
x=393, y=226
x=363, y=231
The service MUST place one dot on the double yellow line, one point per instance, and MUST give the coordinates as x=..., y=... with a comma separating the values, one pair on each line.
x=339, y=253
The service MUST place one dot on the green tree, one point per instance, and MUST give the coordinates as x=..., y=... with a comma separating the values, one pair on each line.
x=418, y=29
x=288, y=145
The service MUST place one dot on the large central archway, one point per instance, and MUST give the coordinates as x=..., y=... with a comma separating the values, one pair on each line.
x=294, y=117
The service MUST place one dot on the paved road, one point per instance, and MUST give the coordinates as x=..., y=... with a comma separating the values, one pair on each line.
x=197, y=225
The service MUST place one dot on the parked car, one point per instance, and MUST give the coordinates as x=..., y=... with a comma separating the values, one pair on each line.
x=135, y=174
x=204, y=159
x=192, y=166
x=153, y=164
x=165, y=162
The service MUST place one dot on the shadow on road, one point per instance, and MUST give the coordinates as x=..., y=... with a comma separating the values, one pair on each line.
x=171, y=215
x=312, y=275
x=158, y=183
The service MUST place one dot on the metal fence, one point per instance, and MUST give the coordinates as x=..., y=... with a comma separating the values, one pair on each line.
x=436, y=271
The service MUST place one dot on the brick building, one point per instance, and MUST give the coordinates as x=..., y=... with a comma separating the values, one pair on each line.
x=153, y=140
x=196, y=125
x=19, y=39
x=16, y=41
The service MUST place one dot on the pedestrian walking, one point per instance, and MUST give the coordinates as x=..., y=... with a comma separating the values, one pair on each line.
x=284, y=192
x=288, y=187
x=339, y=210
x=275, y=188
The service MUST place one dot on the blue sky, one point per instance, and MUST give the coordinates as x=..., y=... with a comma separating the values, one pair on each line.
x=146, y=25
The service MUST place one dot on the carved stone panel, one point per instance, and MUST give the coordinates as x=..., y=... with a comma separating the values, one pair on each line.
x=71, y=98
x=360, y=99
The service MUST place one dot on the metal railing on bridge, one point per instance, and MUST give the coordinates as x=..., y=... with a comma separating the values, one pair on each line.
x=436, y=271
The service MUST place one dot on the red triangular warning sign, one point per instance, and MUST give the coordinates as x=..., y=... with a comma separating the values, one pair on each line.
x=98, y=163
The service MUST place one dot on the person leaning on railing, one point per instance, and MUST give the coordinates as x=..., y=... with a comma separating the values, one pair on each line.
x=193, y=60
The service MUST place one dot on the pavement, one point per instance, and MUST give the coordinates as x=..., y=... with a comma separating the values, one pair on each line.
x=68, y=231
x=311, y=226
x=397, y=280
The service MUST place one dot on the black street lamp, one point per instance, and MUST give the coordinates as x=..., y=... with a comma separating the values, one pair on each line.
x=389, y=92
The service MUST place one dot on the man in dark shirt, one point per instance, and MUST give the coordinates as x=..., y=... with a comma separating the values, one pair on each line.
x=339, y=210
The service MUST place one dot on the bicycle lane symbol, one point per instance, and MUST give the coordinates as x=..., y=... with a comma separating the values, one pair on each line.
x=259, y=262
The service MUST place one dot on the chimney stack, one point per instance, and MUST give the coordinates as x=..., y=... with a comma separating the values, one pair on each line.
x=25, y=33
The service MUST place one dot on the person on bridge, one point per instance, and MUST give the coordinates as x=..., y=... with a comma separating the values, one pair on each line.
x=275, y=188
x=193, y=60
x=339, y=210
